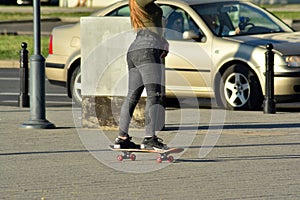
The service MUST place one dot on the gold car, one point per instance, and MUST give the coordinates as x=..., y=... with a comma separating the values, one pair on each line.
x=220, y=50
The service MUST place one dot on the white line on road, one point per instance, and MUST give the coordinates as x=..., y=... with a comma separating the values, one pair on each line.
x=47, y=94
x=48, y=102
x=13, y=79
x=9, y=79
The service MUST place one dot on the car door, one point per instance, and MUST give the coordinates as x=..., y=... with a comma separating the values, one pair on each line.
x=188, y=64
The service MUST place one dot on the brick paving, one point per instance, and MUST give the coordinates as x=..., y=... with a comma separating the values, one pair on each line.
x=256, y=157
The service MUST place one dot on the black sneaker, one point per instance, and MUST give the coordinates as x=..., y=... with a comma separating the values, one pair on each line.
x=125, y=144
x=153, y=143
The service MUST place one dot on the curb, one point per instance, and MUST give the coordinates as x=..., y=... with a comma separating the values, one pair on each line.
x=9, y=64
x=55, y=19
x=52, y=19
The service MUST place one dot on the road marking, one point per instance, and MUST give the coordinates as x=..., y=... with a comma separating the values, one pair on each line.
x=47, y=102
x=47, y=94
x=9, y=79
x=13, y=79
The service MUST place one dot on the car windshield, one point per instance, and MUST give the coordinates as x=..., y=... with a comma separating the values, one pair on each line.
x=237, y=18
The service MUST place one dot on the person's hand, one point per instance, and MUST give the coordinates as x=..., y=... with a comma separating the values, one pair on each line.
x=164, y=54
x=237, y=31
x=165, y=50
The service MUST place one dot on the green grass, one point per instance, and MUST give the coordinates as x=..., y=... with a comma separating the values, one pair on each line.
x=292, y=14
x=278, y=5
x=61, y=14
x=287, y=15
x=10, y=46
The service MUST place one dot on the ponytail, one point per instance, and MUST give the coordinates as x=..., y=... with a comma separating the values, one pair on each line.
x=137, y=15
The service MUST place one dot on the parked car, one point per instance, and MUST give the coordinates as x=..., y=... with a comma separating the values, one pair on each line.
x=222, y=53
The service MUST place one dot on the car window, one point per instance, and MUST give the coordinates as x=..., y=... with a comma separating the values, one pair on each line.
x=177, y=21
x=170, y=15
x=122, y=12
x=257, y=21
x=224, y=19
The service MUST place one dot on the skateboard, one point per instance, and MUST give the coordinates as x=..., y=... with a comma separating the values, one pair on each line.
x=163, y=154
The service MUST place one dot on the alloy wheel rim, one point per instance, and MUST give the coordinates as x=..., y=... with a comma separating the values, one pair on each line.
x=237, y=90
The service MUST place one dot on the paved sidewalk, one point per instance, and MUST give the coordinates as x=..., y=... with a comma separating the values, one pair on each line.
x=256, y=157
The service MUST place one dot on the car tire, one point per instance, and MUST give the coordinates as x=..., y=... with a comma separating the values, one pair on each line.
x=75, y=86
x=240, y=89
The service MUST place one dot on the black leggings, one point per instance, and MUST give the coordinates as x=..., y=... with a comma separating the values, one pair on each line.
x=145, y=71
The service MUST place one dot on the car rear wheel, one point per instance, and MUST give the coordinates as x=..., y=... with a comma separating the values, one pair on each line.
x=76, y=86
x=240, y=89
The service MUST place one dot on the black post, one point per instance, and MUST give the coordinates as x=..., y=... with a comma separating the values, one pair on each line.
x=23, y=98
x=269, y=102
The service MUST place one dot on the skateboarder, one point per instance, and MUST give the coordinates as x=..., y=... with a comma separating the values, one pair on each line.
x=145, y=66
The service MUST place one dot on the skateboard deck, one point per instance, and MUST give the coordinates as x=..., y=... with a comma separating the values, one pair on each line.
x=164, y=154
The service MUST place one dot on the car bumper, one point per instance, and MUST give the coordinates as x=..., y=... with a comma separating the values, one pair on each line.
x=56, y=69
x=287, y=86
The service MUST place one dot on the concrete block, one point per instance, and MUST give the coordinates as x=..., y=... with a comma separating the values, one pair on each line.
x=104, y=112
x=104, y=44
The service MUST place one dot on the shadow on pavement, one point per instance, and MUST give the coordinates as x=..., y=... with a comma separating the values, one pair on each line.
x=238, y=158
x=174, y=127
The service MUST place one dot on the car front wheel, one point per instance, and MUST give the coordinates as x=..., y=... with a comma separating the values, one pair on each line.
x=76, y=86
x=240, y=89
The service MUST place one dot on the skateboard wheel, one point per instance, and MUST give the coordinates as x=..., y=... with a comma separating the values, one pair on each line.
x=132, y=157
x=119, y=157
x=159, y=160
x=170, y=159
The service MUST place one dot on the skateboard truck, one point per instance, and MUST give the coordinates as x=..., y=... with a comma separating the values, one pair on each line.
x=163, y=157
x=126, y=155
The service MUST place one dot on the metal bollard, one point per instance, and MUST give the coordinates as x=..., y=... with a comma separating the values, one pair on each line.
x=269, y=102
x=23, y=97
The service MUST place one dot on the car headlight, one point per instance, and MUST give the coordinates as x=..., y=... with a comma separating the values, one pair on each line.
x=293, y=61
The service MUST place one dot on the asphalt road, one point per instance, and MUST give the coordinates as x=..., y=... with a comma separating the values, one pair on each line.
x=56, y=96
x=10, y=90
x=296, y=25
x=26, y=27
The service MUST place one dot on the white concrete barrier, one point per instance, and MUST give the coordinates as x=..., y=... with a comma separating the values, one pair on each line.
x=104, y=44
x=104, y=74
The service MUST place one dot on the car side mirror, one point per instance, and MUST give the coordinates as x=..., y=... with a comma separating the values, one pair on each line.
x=191, y=35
